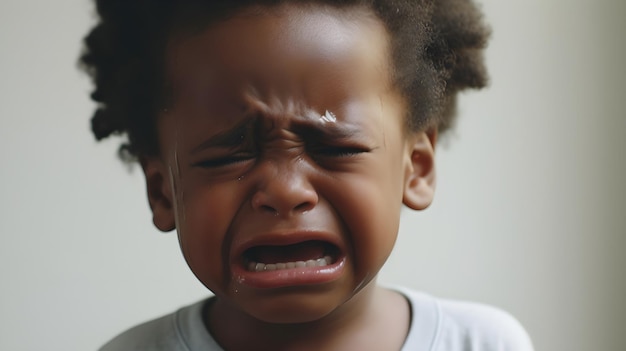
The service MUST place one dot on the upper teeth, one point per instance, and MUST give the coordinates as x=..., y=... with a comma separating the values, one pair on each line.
x=259, y=267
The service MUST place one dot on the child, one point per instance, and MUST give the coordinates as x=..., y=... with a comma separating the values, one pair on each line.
x=280, y=139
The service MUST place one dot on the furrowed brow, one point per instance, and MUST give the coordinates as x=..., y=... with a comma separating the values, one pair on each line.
x=228, y=138
x=325, y=131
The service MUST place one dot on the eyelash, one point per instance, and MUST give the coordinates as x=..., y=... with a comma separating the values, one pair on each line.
x=224, y=161
x=337, y=151
x=316, y=152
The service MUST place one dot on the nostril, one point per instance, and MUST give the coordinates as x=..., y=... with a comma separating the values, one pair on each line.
x=268, y=209
x=261, y=202
x=303, y=207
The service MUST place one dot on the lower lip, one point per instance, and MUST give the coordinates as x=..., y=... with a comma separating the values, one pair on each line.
x=289, y=277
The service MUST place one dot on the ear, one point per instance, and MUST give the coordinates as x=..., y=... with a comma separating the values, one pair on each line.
x=159, y=193
x=419, y=183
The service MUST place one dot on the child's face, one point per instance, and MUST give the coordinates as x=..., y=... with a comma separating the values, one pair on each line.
x=285, y=142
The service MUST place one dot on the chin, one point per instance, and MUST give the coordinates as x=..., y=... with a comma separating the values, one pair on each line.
x=293, y=307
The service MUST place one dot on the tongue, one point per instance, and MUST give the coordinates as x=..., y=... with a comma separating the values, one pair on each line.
x=308, y=250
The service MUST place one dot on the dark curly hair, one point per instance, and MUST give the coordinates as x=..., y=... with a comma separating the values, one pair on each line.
x=436, y=45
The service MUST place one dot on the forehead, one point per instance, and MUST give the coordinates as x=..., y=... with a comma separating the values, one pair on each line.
x=284, y=48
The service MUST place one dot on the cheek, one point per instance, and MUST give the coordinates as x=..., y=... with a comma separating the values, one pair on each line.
x=376, y=216
x=204, y=216
x=369, y=206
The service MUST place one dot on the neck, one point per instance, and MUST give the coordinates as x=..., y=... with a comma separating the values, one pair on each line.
x=350, y=324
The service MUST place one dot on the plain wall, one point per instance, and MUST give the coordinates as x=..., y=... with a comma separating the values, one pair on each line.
x=529, y=212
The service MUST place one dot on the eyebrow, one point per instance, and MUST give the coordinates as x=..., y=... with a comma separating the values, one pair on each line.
x=314, y=129
x=308, y=129
x=228, y=138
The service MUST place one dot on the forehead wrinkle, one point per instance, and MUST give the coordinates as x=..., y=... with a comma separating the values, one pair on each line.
x=273, y=111
x=294, y=117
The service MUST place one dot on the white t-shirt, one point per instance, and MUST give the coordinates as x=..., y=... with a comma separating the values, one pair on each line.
x=436, y=325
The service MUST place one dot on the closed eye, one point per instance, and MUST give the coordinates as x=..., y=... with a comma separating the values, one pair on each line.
x=224, y=161
x=337, y=151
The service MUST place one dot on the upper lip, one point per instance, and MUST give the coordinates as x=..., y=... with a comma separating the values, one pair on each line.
x=284, y=238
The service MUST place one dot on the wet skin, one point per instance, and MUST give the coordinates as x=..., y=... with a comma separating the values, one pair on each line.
x=285, y=129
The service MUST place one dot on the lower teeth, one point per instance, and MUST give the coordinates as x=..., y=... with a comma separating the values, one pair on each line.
x=260, y=267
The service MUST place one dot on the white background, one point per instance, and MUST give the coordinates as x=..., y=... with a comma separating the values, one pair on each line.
x=529, y=216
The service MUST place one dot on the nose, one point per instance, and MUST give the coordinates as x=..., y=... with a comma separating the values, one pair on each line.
x=284, y=192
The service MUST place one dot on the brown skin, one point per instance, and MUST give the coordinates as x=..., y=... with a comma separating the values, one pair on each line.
x=289, y=174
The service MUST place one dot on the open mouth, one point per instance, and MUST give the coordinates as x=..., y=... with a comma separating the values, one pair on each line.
x=311, y=253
